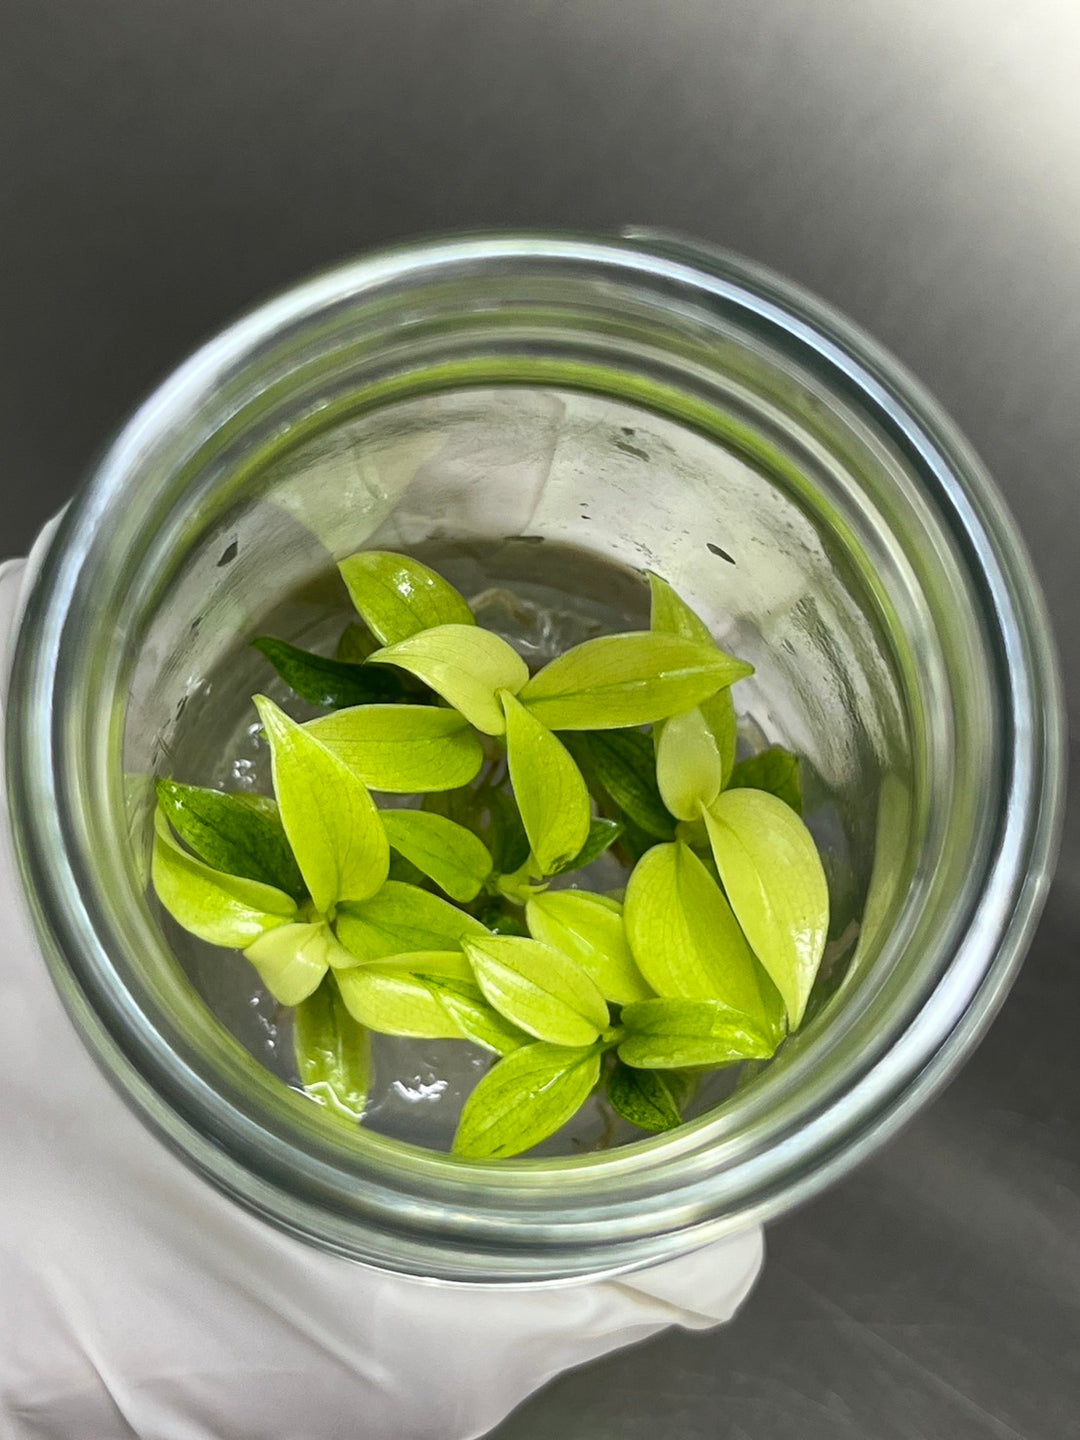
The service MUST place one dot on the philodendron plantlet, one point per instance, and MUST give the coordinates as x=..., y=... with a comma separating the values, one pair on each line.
x=453, y=913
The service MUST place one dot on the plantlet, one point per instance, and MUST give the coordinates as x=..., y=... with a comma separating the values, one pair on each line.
x=436, y=917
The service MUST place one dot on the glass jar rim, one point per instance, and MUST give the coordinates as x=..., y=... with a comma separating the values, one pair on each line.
x=427, y=1213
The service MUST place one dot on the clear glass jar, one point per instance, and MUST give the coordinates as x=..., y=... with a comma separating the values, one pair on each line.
x=571, y=411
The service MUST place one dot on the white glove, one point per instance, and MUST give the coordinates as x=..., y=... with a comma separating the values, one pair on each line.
x=135, y=1300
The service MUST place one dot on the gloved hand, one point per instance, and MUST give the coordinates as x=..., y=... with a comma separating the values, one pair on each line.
x=135, y=1300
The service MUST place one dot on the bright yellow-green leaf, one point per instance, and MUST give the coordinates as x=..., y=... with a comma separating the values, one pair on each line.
x=683, y=935
x=446, y=852
x=403, y=749
x=331, y=820
x=719, y=714
x=445, y=964
x=671, y=1034
x=333, y=684
x=550, y=791
x=524, y=1099
x=589, y=928
x=333, y=1053
x=398, y=597
x=402, y=919
x=689, y=770
x=670, y=613
x=396, y=997
x=292, y=960
x=539, y=989
x=478, y=1021
x=622, y=680
x=775, y=881
x=221, y=909
x=467, y=666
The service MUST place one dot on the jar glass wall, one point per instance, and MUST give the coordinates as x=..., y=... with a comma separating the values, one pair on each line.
x=550, y=417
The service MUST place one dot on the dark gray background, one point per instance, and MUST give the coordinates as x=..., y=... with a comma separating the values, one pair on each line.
x=165, y=163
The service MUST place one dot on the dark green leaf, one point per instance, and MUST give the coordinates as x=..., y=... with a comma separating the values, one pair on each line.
x=602, y=835
x=623, y=763
x=509, y=845
x=503, y=919
x=237, y=833
x=644, y=1097
x=333, y=1053
x=775, y=770
x=405, y=871
x=356, y=643
x=524, y=1099
x=635, y=842
x=461, y=804
x=335, y=684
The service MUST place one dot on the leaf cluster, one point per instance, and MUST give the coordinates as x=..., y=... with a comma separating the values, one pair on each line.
x=434, y=914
